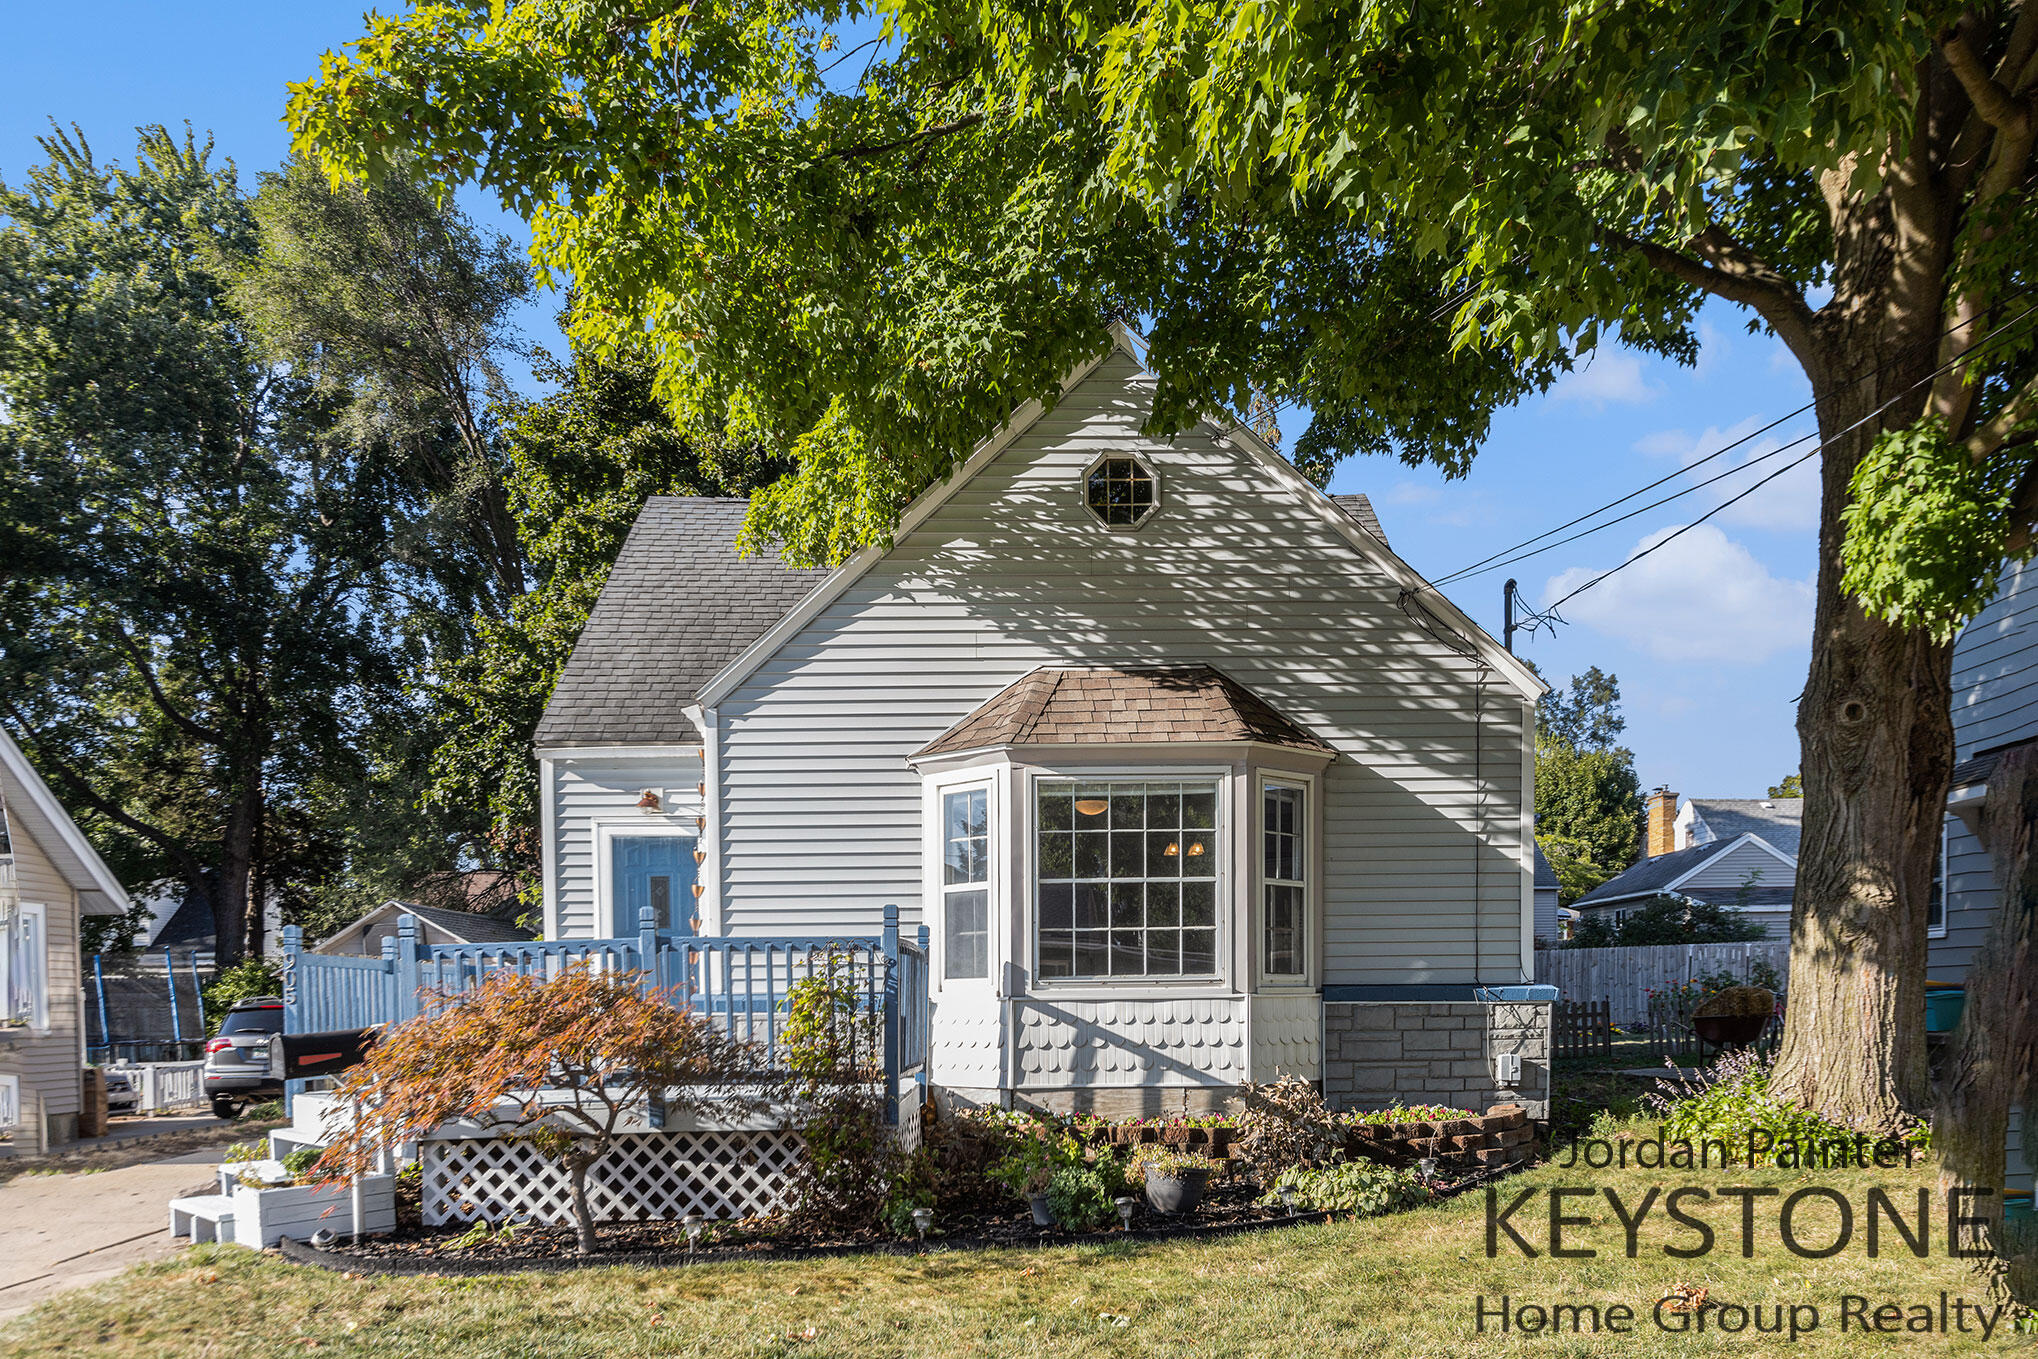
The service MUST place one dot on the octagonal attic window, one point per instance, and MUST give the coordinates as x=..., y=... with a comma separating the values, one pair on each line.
x=1122, y=492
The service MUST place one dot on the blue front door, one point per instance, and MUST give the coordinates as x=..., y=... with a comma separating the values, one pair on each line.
x=655, y=871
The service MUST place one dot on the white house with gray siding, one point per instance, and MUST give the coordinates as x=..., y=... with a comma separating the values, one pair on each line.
x=50, y=876
x=1192, y=780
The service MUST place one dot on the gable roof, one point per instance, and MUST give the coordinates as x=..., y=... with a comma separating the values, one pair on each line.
x=1367, y=542
x=1103, y=705
x=33, y=810
x=1778, y=820
x=1663, y=872
x=466, y=927
x=1546, y=873
x=678, y=606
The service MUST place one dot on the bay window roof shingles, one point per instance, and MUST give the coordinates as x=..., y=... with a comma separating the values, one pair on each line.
x=678, y=606
x=1109, y=706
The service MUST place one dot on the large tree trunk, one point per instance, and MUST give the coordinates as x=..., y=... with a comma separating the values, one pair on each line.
x=1876, y=727
x=577, y=1166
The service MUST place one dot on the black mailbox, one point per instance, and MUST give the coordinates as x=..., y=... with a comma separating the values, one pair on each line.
x=301, y=1056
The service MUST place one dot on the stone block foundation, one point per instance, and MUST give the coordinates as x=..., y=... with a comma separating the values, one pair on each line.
x=1378, y=1053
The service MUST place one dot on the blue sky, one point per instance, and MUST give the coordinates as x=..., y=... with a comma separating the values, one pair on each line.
x=1709, y=636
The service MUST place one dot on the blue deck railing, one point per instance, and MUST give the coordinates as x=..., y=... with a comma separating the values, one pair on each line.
x=741, y=984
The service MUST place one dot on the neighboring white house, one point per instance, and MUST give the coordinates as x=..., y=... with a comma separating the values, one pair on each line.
x=49, y=876
x=1738, y=852
x=1191, y=778
x=435, y=924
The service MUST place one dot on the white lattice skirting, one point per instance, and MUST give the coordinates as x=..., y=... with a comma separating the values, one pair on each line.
x=652, y=1176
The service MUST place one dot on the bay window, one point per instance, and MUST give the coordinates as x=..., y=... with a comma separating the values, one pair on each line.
x=966, y=884
x=1126, y=878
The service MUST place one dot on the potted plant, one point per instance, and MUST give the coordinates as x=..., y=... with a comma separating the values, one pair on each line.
x=1035, y=1190
x=1175, y=1180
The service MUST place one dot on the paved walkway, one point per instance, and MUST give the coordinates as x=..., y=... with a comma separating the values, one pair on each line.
x=59, y=1232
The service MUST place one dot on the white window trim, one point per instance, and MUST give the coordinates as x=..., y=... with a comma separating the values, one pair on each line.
x=1311, y=787
x=934, y=891
x=606, y=833
x=39, y=1020
x=1945, y=881
x=1117, y=455
x=1106, y=988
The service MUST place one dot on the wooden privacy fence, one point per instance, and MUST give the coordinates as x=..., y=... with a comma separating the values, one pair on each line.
x=742, y=985
x=1581, y=1028
x=1623, y=977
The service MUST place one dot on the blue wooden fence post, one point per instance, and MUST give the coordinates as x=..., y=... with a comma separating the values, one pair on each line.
x=170, y=975
x=409, y=955
x=891, y=965
x=293, y=1001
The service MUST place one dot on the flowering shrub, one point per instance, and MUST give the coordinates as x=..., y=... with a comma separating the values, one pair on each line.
x=1410, y=1113
x=1349, y=1187
x=1731, y=1098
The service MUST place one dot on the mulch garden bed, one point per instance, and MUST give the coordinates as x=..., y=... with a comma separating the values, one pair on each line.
x=1228, y=1207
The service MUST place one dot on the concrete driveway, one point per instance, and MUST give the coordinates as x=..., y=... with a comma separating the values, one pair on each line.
x=59, y=1232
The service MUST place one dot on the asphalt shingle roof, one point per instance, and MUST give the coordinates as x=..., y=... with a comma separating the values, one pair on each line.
x=679, y=605
x=1779, y=820
x=1546, y=874
x=1103, y=706
x=1653, y=874
x=1361, y=510
x=475, y=929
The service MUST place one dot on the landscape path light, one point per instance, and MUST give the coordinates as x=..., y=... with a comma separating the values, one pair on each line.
x=923, y=1218
x=695, y=1224
x=1126, y=1204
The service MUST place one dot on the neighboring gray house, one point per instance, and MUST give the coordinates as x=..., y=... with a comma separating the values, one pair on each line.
x=436, y=925
x=1738, y=852
x=1995, y=707
x=50, y=876
x=1193, y=780
x=1549, y=930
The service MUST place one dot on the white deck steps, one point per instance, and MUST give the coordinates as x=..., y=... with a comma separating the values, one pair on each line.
x=203, y=1217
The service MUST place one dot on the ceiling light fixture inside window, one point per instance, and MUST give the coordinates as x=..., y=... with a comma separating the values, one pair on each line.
x=1091, y=806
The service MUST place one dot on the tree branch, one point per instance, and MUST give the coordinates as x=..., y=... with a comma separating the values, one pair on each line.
x=1730, y=272
x=865, y=150
x=187, y=725
x=1995, y=103
x=82, y=790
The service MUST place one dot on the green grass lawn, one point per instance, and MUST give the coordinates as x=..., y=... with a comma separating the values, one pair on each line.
x=1398, y=1286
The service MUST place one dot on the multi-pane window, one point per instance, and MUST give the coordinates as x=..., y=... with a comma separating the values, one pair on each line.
x=1126, y=878
x=1283, y=868
x=966, y=884
x=24, y=966
x=1120, y=491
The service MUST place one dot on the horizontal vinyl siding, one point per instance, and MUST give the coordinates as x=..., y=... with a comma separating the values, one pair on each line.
x=821, y=815
x=590, y=793
x=1971, y=901
x=1995, y=703
x=49, y=1063
x=1995, y=669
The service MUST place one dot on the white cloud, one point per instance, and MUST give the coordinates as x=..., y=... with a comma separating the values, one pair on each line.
x=1701, y=597
x=1410, y=493
x=1789, y=503
x=1607, y=377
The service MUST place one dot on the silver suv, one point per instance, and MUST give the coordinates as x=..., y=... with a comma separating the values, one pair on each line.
x=237, y=1061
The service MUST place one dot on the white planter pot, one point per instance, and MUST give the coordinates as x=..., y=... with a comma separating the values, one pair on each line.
x=262, y=1217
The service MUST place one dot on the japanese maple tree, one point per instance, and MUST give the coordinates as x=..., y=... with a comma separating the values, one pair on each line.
x=567, y=1064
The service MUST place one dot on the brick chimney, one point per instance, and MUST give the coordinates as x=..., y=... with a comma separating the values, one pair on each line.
x=1662, y=822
